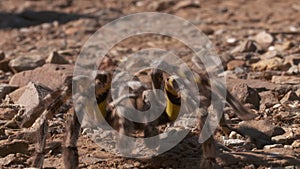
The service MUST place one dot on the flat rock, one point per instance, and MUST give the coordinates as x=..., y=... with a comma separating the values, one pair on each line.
x=259, y=132
x=33, y=91
x=286, y=79
x=50, y=75
x=253, y=83
x=56, y=58
x=12, y=147
x=26, y=63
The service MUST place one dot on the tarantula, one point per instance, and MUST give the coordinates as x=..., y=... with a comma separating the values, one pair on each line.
x=138, y=96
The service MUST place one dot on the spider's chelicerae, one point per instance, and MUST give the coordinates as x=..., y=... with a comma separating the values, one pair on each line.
x=157, y=79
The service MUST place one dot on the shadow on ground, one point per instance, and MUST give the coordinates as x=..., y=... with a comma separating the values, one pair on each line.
x=31, y=18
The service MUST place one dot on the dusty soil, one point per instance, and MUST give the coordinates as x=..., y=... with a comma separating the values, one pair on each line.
x=30, y=28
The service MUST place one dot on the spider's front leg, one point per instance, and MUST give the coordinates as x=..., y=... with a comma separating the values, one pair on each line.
x=69, y=148
x=41, y=136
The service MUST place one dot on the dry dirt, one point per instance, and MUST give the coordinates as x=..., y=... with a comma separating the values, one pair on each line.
x=37, y=28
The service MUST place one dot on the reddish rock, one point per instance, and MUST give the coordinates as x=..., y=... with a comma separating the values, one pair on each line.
x=231, y=65
x=12, y=147
x=268, y=99
x=246, y=94
x=50, y=75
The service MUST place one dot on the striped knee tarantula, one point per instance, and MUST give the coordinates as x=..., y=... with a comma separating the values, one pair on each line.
x=156, y=79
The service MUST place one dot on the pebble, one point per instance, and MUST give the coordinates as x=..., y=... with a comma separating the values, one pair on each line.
x=231, y=65
x=296, y=144
x=233, y=142
x=264, y=39
x=268, y=147
x=268, y=64
x=56, y=58
x=247, y=46
x=290, y=96
x=231, y=41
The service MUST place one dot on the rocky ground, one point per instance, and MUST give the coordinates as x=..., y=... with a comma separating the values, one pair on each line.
x=257, y=40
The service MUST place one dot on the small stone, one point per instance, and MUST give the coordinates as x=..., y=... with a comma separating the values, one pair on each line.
x=56, y=58
x=284, y=46
x=293, y=60
x=293, y=80
x=275, y=63
x=293, y=70
x=231, y=41
x=269, y=55
x=290, y=96
x=26, y=63
x=251, y=166
x=233, y=142
x=264, y=39
x=288, y=146
x=137, y=164
x=186, y=4
x=268, y=147
x=268, y=100
x=260, y=132
x=246, y=94
x=2, y=55
x=233, y=135
x=7, y=160
x=6, y=89
x=296, y=144
x=207, y=30
x=231, y=65
x=247, y=46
